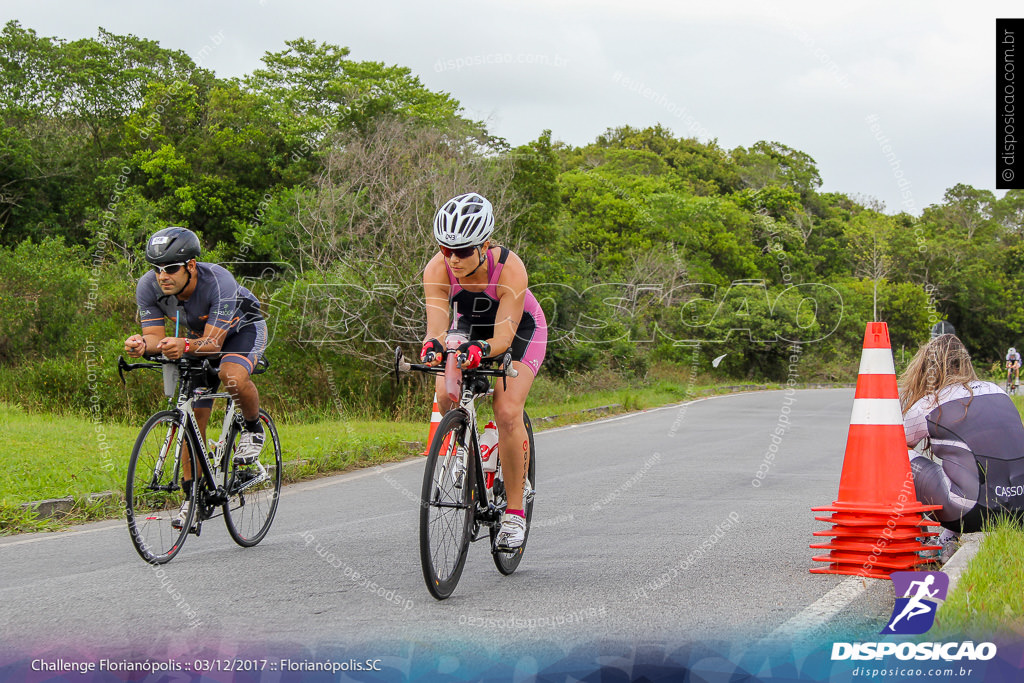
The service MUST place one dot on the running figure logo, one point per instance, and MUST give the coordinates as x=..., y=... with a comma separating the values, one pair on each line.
x=914, y=611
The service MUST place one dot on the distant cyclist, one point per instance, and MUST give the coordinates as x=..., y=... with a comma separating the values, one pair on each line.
x=497, y=313
x=1013, y=365
x=215, y=317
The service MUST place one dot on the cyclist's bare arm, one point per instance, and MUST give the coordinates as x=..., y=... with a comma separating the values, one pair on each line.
x=436, y=290
x=512, y=287
x=147, y=342
x=209, y=343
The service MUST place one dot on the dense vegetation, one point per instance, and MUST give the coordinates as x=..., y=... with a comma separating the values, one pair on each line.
x=314, y=179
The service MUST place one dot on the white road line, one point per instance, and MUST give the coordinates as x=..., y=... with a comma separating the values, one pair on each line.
x=342, y=478
x=286, y=490
x=636, y=413
x=60, y=534
x=817, y=614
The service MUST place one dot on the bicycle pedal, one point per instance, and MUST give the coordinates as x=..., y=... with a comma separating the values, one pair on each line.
x=506, y=549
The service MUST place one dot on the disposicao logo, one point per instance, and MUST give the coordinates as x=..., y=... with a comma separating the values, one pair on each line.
x=914, y=614
x=916, y=595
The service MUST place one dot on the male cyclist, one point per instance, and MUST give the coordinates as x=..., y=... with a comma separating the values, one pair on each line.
x=497, y=313
x=1013, y=365
x=217, y=318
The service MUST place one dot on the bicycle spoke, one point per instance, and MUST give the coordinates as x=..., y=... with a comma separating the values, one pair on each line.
x=446, y=513
x=154, y=490
x=253, y=490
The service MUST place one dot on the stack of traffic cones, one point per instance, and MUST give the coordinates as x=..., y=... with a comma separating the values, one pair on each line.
x=877, y=518
x=435, y=419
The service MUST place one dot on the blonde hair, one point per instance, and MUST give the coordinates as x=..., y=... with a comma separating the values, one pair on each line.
x=940, y=363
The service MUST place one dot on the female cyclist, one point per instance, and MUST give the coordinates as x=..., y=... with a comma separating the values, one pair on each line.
x=975, y=433
x=486, y=285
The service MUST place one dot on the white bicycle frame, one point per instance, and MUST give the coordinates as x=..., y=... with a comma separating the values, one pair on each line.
x=185, y=406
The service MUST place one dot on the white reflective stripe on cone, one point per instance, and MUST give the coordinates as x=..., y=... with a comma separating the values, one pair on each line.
x=876, y=362
x=876, y=411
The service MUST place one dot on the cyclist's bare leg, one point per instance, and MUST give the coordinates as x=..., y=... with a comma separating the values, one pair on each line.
x=513, y=441
x=239, y=384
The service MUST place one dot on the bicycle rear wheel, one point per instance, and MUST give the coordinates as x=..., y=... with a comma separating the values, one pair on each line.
x=507, y=562
x=253, y=490
x=155, y=491
x=447, y=506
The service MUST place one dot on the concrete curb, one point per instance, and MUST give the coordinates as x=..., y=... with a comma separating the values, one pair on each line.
x=51, y=507
x=955, y=566
x=599, y=410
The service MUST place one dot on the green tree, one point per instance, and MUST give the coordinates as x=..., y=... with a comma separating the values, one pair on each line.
x=773, y=163
x=321, y=91
x=535, y=168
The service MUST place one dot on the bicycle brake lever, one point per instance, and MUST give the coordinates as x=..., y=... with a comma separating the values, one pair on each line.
x=398, y=364
x=121, y=367
x=507, y=369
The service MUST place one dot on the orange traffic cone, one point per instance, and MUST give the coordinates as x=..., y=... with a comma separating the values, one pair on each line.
x=876, y=518
x=435, y=419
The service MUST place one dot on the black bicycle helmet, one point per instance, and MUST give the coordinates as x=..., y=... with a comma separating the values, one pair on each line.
x=172, y=245
x=942, y=327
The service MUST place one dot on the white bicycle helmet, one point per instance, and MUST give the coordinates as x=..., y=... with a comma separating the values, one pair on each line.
x=464, y=221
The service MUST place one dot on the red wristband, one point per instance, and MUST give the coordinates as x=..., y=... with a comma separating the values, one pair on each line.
x=187, y=345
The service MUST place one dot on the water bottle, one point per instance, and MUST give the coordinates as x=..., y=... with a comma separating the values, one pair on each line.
x=489, y=457
x=489, y=447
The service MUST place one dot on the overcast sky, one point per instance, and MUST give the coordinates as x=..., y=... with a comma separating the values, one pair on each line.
x=806, y=74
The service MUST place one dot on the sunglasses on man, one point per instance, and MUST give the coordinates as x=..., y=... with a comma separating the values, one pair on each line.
x=170, y=268
x=463, y=253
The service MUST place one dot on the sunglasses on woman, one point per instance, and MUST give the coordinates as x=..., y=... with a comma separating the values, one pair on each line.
x=170, y=268
x=463, y=253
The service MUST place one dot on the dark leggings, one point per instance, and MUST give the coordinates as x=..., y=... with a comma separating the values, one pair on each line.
x=959, y=513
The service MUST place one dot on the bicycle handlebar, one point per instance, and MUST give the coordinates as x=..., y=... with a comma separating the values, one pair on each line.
x=504, y=369
x=157, y=361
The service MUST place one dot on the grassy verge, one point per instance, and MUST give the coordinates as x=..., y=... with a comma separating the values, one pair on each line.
x=989, y=597
x=47, y=456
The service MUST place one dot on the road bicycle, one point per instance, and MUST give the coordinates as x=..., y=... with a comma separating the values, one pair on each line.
x=457, y=506
x=246, y=495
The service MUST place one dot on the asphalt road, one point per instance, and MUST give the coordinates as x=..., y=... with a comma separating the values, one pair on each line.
x=649, y=528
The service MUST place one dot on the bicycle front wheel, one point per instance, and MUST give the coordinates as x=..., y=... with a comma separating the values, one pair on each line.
x=508, y=562
x=155, y=490
x=253, y=490
x=447, y=504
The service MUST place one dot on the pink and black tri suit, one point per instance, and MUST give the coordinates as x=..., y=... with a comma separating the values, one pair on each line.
x=477, y=312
